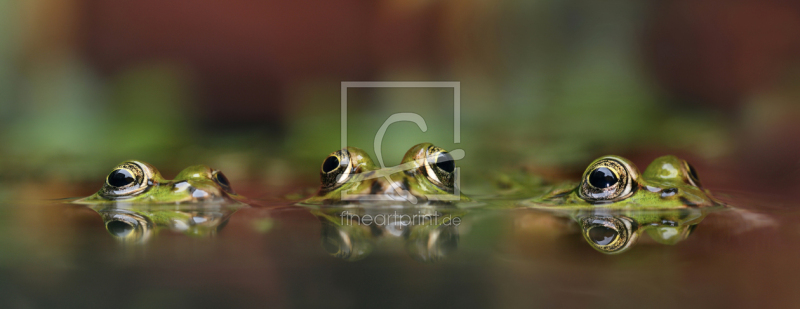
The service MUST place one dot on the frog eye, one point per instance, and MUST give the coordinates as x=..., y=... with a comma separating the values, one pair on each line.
x=692, y=173
x=440, y=167
x=607, y=180
x=609, y=234
x=127, y=179
x=335, y=169
x=223, y=182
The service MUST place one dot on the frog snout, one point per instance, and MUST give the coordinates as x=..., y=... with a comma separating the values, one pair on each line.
x=391, y=189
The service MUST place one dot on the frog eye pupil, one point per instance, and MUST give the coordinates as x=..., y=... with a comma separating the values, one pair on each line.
x=330, y=164
x=120, y=178
x=119, y=228
x=221, y=179
x=602, y=178
x=602, y=235
x=445, y=162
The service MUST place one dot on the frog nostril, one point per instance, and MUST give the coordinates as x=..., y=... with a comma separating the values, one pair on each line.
x=669, y=192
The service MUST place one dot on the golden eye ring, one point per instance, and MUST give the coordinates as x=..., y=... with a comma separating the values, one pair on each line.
x=439, y=167
x=128, y=179
x=336, y=169
x=606, y=180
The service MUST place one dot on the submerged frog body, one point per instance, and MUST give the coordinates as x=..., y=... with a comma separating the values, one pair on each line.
x=426, y=173
x=139, y=182
x=614, y=182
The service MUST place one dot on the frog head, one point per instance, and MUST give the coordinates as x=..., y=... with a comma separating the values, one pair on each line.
x=349, y=175
x=614, y=182
x=139, y=182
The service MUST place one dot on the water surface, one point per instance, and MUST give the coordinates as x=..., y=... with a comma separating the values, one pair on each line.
x=277, y=255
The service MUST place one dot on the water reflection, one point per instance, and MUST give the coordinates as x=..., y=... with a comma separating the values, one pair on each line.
x=137, y=224
x=430, y=233
x=614, y=233
x=427, y=233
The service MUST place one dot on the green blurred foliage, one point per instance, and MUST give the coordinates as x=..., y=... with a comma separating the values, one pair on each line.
x=561, y=84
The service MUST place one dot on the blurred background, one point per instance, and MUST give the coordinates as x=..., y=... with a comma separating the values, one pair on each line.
x=253, y=87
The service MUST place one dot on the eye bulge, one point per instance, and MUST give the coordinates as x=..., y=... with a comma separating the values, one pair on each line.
x=223, y=181
x=440, y=167
x=607, y=179
x=335, y=169
x=444, y=161
x=127, y=179
x=330, y=164
x=692, y=172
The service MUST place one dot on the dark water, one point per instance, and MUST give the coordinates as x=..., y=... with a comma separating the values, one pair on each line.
x=63, y=255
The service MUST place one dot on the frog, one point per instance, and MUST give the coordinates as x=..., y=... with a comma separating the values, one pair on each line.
x=138, y=223
x=614, y=203
x=429, y=235
x=137, y=182
x=613, y=182
x=426, y=173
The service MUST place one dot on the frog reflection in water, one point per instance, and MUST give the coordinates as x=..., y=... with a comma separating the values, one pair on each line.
x=134, y=201
x=616, y=233
x=140, y=183
x=426, y=173
x=429, y=234
x=139, y=223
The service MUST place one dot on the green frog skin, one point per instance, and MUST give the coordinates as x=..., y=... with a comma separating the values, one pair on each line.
x=137, y=182
x=426, y=173
x=613, y=182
